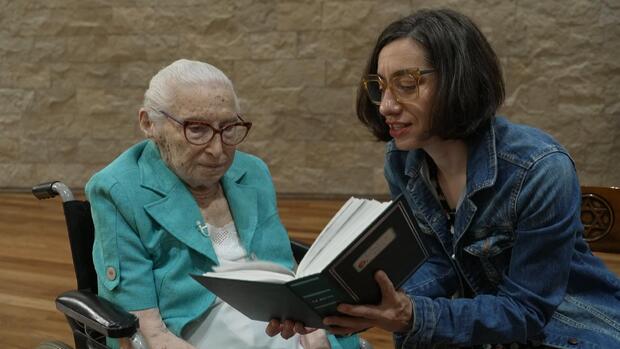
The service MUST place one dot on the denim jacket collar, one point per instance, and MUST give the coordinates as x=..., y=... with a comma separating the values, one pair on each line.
x=481, y=173
x=481, y=161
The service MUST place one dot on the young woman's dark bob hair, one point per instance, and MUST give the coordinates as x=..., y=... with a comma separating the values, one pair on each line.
x=470, y=87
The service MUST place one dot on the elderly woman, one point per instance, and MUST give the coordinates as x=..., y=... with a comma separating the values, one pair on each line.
x=183, y=201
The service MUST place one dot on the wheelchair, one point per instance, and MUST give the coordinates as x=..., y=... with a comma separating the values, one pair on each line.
x=93, y=319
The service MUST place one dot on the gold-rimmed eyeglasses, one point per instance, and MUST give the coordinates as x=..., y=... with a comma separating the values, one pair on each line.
x=201, y=132
x=404, y=85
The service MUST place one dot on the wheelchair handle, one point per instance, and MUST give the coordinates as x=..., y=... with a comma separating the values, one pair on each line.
x=49, y=190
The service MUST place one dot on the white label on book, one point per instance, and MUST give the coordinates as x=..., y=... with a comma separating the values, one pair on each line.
x=374, y=249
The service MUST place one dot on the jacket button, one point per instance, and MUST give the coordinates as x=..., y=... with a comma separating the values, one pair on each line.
x=110, y=273
x=573, y=341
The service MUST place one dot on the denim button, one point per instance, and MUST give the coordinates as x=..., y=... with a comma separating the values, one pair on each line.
x=573, y=341
x=453, y=256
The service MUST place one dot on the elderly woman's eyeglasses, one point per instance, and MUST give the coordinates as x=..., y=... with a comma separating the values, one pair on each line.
x=403, y=84
x=201, y=133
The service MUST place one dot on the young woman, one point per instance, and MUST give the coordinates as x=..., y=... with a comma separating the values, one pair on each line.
x=499, y=204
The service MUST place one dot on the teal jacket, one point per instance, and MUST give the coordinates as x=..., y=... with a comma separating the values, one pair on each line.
x=147, y=241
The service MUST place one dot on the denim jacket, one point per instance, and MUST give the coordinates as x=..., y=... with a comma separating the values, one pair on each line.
x=516, y=247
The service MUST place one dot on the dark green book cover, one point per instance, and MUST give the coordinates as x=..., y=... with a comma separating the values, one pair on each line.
x=390, y=243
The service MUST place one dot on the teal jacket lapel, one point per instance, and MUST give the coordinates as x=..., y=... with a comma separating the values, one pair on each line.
x=243, y=204
x=178, y=213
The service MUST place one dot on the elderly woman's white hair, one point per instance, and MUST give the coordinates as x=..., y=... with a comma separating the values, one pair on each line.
x=181, y=73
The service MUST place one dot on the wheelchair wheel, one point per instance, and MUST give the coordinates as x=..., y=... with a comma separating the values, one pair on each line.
x=54, y=345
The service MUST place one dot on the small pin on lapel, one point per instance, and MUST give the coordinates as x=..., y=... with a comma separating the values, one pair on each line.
x=203, y=228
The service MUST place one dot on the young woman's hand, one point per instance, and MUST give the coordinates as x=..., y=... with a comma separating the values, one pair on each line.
x=394, y=313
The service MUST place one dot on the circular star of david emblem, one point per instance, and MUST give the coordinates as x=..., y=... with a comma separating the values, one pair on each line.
x=597, y=217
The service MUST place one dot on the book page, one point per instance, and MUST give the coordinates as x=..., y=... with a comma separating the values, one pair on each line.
x=365, y=213
x=362, y=218
x=328, y=233
x=252, y=271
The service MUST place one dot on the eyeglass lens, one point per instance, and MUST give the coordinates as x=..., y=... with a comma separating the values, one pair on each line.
x=201, y=133
x=404, y=88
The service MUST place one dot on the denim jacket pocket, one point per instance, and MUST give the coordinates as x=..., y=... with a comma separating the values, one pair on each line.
x=493, y=254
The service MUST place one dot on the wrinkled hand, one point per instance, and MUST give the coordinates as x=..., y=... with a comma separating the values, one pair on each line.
x=155, y=332
x=287, y=329
x=394, y=313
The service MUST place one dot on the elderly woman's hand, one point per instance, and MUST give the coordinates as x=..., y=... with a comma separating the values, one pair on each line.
x=287, y=329
x=394, y=313
x=155, y=332
x=310, y=337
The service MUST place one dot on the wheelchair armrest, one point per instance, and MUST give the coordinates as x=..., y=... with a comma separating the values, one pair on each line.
x=97, y=314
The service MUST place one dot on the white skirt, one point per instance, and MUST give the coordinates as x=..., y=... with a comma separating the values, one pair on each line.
x=225, y=327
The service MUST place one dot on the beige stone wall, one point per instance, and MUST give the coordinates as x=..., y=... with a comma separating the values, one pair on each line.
x=72, y=75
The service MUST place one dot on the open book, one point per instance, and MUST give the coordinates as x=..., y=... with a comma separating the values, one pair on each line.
x=363, y=237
